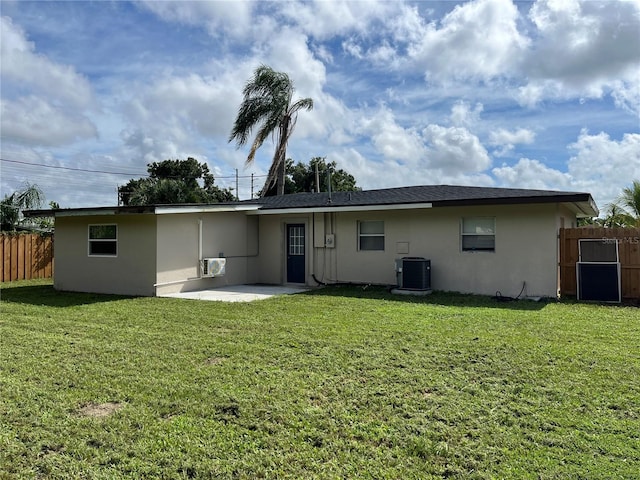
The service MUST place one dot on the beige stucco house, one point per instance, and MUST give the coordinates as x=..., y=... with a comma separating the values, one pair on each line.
x=478, y=240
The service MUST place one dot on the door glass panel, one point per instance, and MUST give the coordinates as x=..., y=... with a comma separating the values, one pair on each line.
x=296, y=240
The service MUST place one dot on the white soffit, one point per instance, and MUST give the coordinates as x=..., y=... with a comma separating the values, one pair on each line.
x=584, y=209
x=206, y=209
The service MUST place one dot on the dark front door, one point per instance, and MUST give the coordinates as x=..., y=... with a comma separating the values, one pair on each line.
x=295, y=253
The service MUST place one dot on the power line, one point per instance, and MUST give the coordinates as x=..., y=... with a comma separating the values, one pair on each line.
x=68, y=168
x=112, y=173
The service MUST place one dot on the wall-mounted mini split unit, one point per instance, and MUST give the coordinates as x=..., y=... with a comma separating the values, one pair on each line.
x=413, y=273
x=213, y=267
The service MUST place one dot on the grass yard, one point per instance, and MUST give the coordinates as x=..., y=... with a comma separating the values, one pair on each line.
x=338, y=383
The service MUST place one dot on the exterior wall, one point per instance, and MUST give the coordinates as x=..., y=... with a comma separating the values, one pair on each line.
x=525, y=249
x=159, y=254
x=270, y=265
x=230, y=234
x=565, y=218
x=131, y=272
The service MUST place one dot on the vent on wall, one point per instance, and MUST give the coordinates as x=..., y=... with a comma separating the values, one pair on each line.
x=213, y=267
x=413, y=273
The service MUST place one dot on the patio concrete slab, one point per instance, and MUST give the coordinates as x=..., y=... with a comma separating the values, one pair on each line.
x=239, y=293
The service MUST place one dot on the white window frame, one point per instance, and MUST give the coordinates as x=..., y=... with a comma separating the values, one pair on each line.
x=90, y=240
x=370, y=235
x=477, y=233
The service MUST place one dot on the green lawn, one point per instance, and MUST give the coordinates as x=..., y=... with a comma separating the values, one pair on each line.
x=338, y=383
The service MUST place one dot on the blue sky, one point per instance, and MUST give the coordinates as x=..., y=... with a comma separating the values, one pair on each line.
x=541, y=94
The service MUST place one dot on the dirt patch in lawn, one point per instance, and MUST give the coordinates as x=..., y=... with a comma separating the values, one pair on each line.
x=215, y=360
x=98, y=410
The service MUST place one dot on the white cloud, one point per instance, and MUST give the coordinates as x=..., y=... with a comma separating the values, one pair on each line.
x=288, y=51
x=164, y=117
x=506, y=140
x=434, y=153
x=604, y=166
x=219, y=18
x=363, y=63
x=463, y=115
x=455, y=150
x=33, y=121
x=198, y=103
x=600, y=166
x=43, y=102
x=531, y=174
x=383, y=54
x=580, y=42
x=392, y=173
x=478, y=40
x=323, y=19
x=410, y=156
x=626, y=95
x=392, y=140
x=532, y=93
x=503, y=137
x=23, y=69
x=407, y=26
x=583, y=49
x=351, y=47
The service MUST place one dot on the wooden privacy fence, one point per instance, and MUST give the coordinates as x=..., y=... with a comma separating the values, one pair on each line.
x=26, y=256
x=628, y=249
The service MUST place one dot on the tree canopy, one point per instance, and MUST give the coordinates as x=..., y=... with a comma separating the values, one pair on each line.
x=268, y=105
x=301, y=177
x=174, y=181
x=624, y=212
x=30, y=196
x=630, y=201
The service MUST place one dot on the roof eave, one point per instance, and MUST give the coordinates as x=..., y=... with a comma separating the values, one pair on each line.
x=340, y=208
x=90, y=211
x=214, y=208
x=581, y=203
x=139, y=210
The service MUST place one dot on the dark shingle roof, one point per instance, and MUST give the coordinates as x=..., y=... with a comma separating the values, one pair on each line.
x=437, y=195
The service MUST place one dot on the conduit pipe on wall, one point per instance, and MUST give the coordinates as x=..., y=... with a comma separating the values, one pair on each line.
x=200, y=260
x=175, y=282
x=199, y=241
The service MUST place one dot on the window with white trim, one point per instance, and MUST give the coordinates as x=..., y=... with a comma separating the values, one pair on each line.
x=103, y=240
x=371, y=235
x=478, y=234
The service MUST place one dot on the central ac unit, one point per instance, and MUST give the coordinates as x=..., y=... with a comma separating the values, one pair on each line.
x=213, y=267
x=413, y=273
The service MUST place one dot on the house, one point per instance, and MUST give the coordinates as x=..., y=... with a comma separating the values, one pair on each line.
x=478, y=240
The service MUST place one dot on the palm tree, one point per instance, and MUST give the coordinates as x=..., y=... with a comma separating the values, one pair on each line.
x=268, y=104
x=11, y=207
x=630, y=200
x=616, y=216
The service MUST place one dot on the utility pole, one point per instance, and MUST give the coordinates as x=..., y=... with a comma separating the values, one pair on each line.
x=252, y=186
x=237, y=194
x=317, y=179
